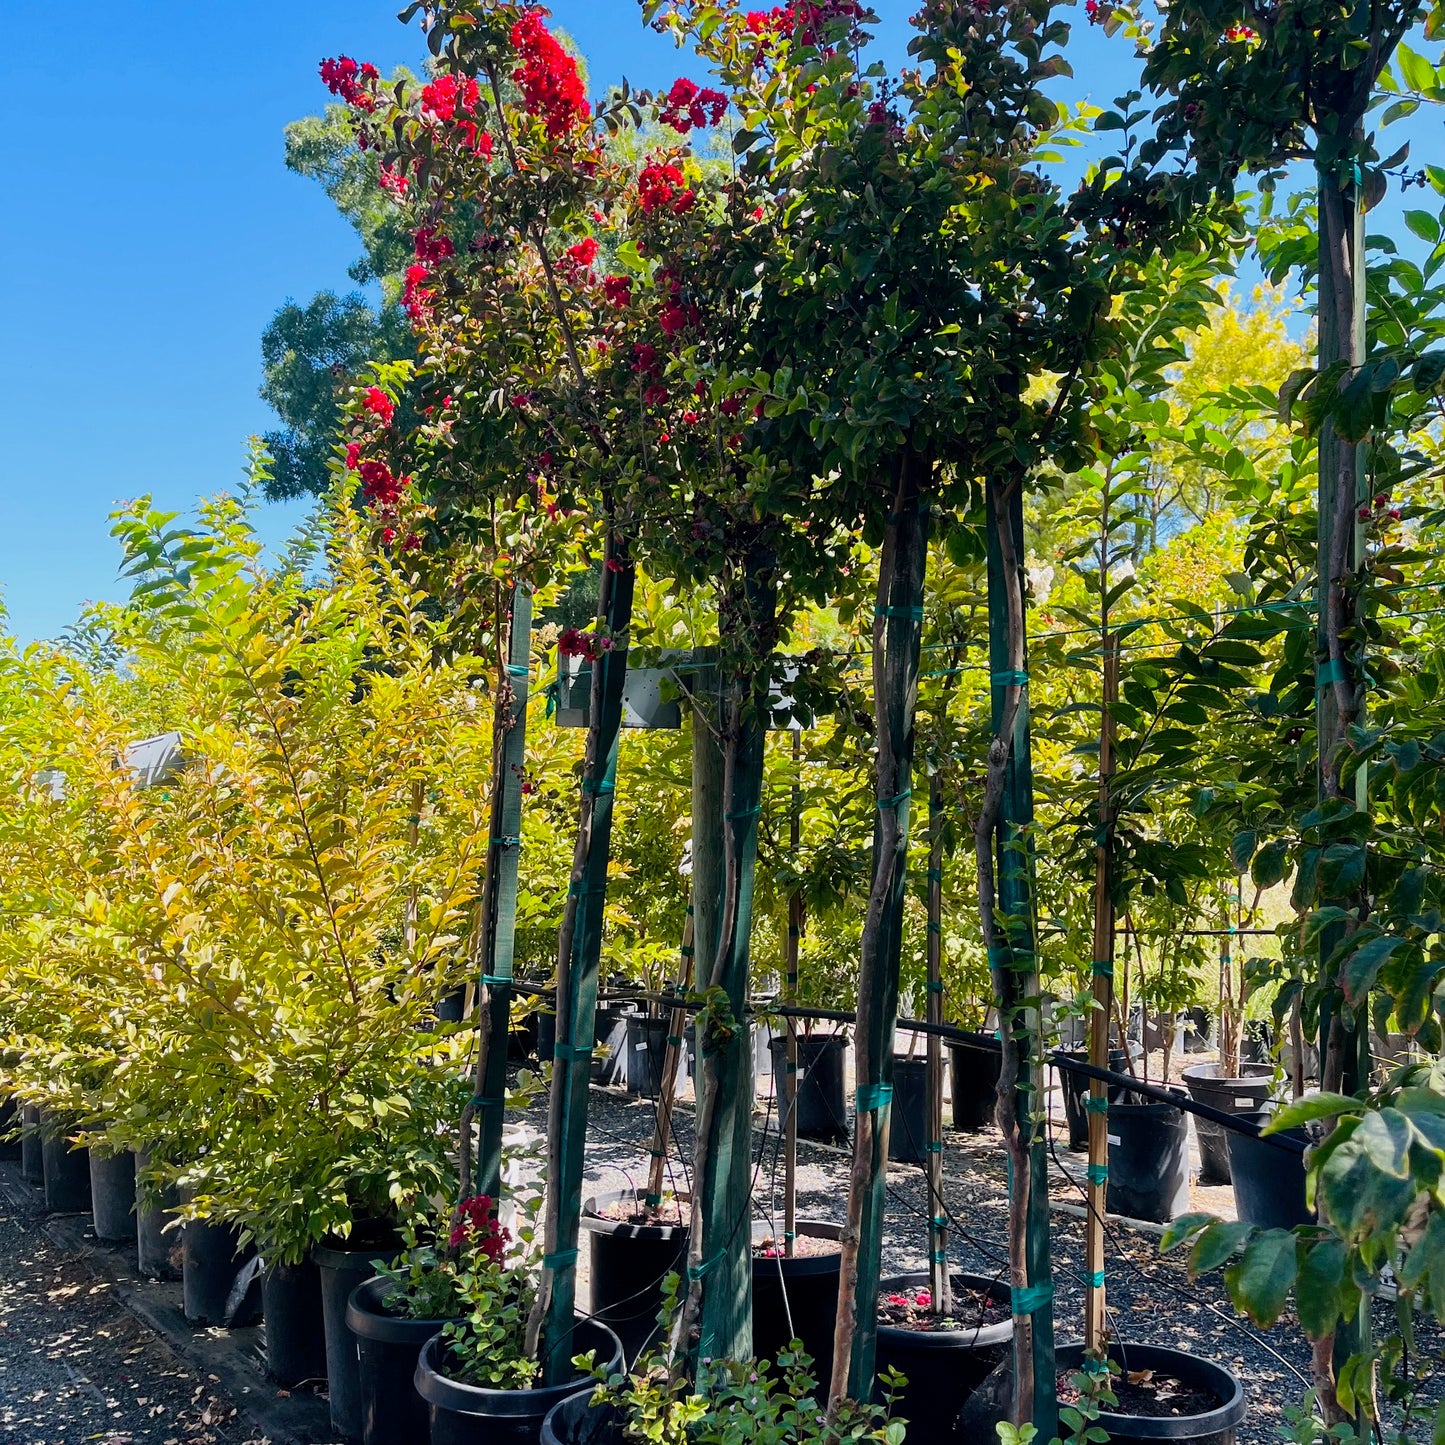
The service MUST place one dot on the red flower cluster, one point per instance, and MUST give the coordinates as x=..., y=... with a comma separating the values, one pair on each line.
x=660, y=184
x=393, y=181
x=433, y=245
x=416, y=298
x=766, y=24
x=617, y=290
x=573, y=642
x=378, y=403
x=446, y=95
x=645, y=361
x=478, y=1226
x=551, y=86
x=584, y=253
x=379, y=486
x=689, y=108
x=352, y=82
x=1241, y=32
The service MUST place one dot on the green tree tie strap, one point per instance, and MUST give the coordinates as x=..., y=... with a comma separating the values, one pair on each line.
x=873, y=1096
x=1328, y=672
x=1095, y=1366
x=939, y=1221
x=935, y=985
x=686, y=950
x=497, y=980
x=597, y=785
x=744, y=813
x=674, y=1040
x=1032, y=1298
x=884, y=804
x=1104, y=967
x=1097, y=1103
x=573, y=1051
x=484, y=1101
x=1096, y=1280
x=516, y=669
x=935, y=875
x=938, y=1256
x=707, y=1266
x=935, y=928
x=505, y=842
x=1097, y=1173
x=913, y=614
x=934, y=1146
x=562, y=1258
x=1010, y=678
x=583, y=892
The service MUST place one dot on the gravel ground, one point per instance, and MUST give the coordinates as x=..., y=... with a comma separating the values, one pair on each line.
x=76, y=1366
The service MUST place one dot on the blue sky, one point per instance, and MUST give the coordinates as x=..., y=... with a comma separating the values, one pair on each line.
x=150, y=229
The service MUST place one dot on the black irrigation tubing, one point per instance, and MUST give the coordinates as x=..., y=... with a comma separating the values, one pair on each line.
x=954, y=1035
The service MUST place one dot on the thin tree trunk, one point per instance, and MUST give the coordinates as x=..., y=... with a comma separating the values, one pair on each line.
x=897, y=638
x=940, y=1280
x=667, y=1091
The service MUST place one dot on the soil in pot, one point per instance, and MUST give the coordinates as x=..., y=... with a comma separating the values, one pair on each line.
x=32, y=1148
x=1207, y=1084
x=1148, y=1162
x=1164, y=1394
x=908, y=1122
x=388, y=1346
x=630, y=1252
x=295, y=1329
x=1075, y=1089
x=218, y=1281
x=944, y=1364
x=973, y=1069
x=1269, y=1184
x=158, y=1250
x=822, y=1113
x=344, y=1264
x=66, y=1170
x=112, y=1195
x=462, y=1414
x=10, y=1125
x=796, y=1297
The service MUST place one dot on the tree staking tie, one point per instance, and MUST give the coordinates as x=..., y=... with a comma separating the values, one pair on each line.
x=706, y=1267
x=1010, y=677
x=597, y=786
x=505, y=841
x=1328, y=672
x=934, y=985
x=1096, y=1280
x=1104, y=967
x=1097, y=1103
x=497, y=980
x=573, y=1051
x=873, y=1096
x=486, y=1101
x=934, y=875
x=1031, y=1298
x=1097, y=1173
x=744, y=813
x=558, y=1260
x=884, y=804
x=912, y=614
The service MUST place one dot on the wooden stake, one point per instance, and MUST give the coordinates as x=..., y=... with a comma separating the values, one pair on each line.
x=940, y=1281
x=789, y=1099
x=667, y=1094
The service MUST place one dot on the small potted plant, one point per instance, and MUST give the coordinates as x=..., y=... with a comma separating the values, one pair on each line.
x=478, y=1375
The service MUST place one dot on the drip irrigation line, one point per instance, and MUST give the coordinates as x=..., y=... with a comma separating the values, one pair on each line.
x=1121, y=1254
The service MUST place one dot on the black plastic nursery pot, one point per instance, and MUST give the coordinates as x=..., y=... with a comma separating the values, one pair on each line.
x=343, y=1265
x=66, y=1170
x=212, y=1261
x=1148, y=1162
x=646, y=1052
x=32, y=1149
x=112, y=1195
x=579, y=1420
x=609, y=1057
x=1269, y=1184
x=10, y=1124
x=797, y=1299
x=973, y=1069
x=388, y=1348
x=1075, y=1088
x=1213, y=1427
x=158, y=1250
x=295, y=1326
x=522, y=1040
x=546, y=1036
x=908, y=1122
x=452, y=1007
x=944, y=1367
x=462, y=1414
x=627, y=1264
x=821, y=1111
x=1208, y=1084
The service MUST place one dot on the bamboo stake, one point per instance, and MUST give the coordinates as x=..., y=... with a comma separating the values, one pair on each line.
x=789, y=1100
x=940, y=1282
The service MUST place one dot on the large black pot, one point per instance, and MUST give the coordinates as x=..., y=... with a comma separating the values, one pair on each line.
x=295, y=1327
x=821, y=1111
x=344, y=1264
x=1207, y=1084
x=609, y=1031
x=158, y=1250
x=212, y=1261
x=943, y=1367
x=1148, y=1162
x=627, y=1264
x=10, y=1125
x=973, y=1070
x=1075, y=1088
x=646, y=1052
x=908, y=1122
x=32, y=1148
x=546, y=1036
x=388, y=1347
x=1269, y=1185
x=464, y=1414
x=66, y=1170
x=112, y=1195
x=1215, y=1427
x=452, y=1007
x=522, y=1038
x=578, y=1421
x=797, y=1299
